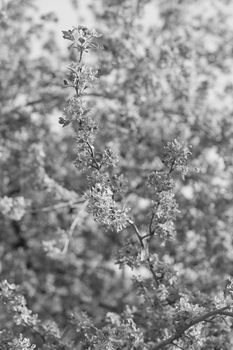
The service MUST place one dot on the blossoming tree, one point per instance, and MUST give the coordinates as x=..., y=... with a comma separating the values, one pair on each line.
x=116, y=227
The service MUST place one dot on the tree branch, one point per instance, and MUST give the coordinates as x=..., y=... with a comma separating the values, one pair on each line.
x=33, y=102
x=73, y=226
x=227, y=313
x=145, y=247
x=192, y=323
x=136, y=230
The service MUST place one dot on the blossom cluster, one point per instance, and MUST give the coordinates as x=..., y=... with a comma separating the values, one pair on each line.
x=105, y=209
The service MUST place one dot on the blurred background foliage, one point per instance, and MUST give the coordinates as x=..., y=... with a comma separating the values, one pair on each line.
x=165, y=72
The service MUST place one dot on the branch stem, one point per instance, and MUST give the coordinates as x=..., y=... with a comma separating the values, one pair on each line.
x=192, y=323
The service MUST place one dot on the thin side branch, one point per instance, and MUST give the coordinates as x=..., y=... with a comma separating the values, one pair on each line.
x=151, y=230
x=56, y=206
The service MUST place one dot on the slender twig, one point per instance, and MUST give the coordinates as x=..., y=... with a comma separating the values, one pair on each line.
x=227, y=313
x=56, y=206
x=40, y=100
x=80, y=57
x=72, y=70
x=151, y=230
x=178, y=346
x=92, y=154
x=152, y=271
x=90, y=148
x=207, y=315
x=73, y=226
x=172, y=166
x=137, y=233
x=140, y=238
x=146, y=236
x=70, y=233
x=192, y=323
x=32, y=103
